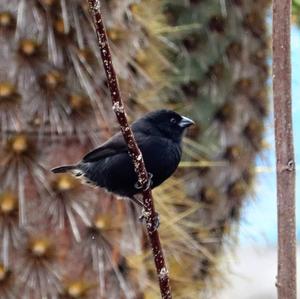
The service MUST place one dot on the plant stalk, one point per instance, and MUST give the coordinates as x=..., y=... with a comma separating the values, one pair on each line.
x=139, y=166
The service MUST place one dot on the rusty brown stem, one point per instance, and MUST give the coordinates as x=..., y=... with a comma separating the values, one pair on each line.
x=286, y=278
x=133, y=149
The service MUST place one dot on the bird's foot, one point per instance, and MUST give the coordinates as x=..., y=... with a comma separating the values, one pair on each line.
x=137, y=201
x=149, y=183
x=153, y=223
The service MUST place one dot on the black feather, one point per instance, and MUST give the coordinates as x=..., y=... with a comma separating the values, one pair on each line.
x=62, y=169
x=158, y=135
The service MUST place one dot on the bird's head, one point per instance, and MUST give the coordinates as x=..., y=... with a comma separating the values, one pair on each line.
x=169, y=123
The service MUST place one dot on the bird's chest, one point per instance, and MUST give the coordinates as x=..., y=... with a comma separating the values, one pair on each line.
x=161, y=159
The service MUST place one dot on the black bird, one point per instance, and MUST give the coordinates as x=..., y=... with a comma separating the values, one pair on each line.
x=158, y=134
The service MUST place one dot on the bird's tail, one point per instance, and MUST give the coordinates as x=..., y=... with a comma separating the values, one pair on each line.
x=63, y=169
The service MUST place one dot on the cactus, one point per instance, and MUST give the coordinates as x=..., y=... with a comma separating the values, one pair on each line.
x=296, y=11
x=61, y=239
x=222, y=51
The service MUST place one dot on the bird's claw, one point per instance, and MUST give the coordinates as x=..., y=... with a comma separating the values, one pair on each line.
x=139, y=186
x=155, y=220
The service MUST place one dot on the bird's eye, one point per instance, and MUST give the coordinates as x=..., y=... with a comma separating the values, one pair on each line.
x=173, y=120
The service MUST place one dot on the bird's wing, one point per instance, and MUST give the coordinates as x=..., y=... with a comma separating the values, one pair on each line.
x=114, y=145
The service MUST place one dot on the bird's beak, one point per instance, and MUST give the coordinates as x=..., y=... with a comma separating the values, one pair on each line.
x=186, y=122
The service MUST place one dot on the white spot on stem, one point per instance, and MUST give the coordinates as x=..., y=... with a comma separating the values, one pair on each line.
x=163, y=273
x=97, y=5
x=118, y=108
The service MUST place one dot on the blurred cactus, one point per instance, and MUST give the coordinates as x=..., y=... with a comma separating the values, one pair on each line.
x=296, y=11
x=60, y=239
x=222, y=50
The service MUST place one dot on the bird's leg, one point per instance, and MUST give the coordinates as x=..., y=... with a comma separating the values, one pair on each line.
x=138, y=186
x=137, y=201
x=145, y=215
x=156, y=220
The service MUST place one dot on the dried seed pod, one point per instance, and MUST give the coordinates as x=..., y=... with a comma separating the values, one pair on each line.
x=8, y=204
x=248, y=176
x=7, y=21
x=20, y=144
x=237, y=189
x=217, y=24
x=29, y=48
x=52, y=80
x=115, y=34
x=49, y=3
x=193, y=41
x=244, y=86
x=216, y=71
x=254, y=23
x=61, y=30
x=209, y=195
x=190, y=88
x=260, y=102
x=76, y=289
x=86, y=55
x=64, y=183
x=205, y=268
x=253, y=132
x=226, y=113
x=40, y=248
x=233, y=153
x=234, y=50
x=79, y=103
x=8, y=94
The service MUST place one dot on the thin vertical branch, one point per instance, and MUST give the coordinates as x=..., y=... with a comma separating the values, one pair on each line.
x=286, y=279
x=133, y=149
